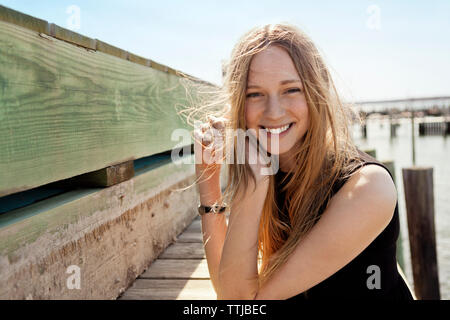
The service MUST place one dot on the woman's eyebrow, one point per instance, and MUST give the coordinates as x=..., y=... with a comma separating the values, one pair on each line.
x=250, y=86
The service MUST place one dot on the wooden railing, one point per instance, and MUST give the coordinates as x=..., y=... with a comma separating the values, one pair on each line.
x=71, y=104
x=78, y=114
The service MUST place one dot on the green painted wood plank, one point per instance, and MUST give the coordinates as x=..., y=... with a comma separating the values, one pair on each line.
x=42, y=26
x=23, y=226
x=25, y=198
x=66, y=111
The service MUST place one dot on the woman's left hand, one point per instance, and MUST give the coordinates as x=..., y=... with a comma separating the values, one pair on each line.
x=259, y=162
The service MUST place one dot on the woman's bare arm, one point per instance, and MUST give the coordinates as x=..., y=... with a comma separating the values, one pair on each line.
x=238, y=272
x=214, y=228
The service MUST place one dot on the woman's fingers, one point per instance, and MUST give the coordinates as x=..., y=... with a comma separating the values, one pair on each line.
x=217, y=122
x=207, y=138
x=204, y=127
x=210, y=136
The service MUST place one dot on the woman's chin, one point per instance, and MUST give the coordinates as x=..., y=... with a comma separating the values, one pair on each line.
x=276, y=151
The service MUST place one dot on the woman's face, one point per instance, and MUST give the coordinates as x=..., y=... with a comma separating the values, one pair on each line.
x=275, y=99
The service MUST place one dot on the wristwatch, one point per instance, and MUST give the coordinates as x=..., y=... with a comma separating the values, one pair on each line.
x=213, y=209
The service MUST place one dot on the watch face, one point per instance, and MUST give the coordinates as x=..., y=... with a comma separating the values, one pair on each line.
x=215, y=209
x=204, y=209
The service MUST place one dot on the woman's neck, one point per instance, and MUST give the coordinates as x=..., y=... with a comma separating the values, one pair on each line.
x=287, y=161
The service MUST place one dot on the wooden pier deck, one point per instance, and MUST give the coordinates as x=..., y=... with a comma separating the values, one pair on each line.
x=179, y=273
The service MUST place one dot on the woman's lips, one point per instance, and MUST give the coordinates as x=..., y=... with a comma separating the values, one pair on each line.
x=280, y=135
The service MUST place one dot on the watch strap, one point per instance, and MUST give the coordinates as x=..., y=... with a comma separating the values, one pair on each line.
x=211, y=209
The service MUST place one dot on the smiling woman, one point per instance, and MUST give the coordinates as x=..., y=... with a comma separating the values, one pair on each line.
x=275, y=99
x=326, y=224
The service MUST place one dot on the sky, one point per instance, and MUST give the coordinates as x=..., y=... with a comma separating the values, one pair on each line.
x=376, y=50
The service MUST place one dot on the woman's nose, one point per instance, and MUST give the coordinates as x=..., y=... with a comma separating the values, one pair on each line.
x=273, y=109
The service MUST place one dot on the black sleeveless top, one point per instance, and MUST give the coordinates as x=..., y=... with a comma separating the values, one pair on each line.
x=356, y=279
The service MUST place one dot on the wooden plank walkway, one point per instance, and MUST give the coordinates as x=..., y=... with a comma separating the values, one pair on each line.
x=179, y=273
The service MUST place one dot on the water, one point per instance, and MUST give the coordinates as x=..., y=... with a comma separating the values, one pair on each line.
x=431, y=151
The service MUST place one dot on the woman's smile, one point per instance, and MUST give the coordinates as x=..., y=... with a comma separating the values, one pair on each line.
x=278, y=131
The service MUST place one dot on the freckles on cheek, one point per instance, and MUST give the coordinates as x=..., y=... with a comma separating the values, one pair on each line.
x=247, y=118
x=250, y=116
x=303, y=109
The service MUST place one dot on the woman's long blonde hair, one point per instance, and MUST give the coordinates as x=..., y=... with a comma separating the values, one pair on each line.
x=322, y=158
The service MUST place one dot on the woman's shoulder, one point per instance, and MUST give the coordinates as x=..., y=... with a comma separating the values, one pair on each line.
x=364, y=183
x=375, y=178
x=362, y=209
x=359, y=162
x=370, y=185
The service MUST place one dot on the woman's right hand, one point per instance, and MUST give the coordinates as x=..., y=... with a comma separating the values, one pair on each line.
x=209, y=152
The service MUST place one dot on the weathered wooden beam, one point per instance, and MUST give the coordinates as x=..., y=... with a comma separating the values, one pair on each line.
x=139, y=60
x=112, y=234
x=111, y=50
x=44, y=28
x=28, y=197
x=23, y=20
x=419, y=198
x=71, y=111
x=72, y=37
x=105, y=177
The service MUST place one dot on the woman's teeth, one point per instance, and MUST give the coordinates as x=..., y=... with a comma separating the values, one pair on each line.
x=278, y=130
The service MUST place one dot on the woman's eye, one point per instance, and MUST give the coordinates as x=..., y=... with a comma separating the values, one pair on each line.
x=253, y=94
x=293, y=90
x=256, y=94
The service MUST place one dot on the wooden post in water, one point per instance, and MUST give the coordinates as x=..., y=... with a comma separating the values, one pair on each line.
x=364, y=125
x=391, y=167
x=413, y=141
x=421, y=129
x=392, y=126
x=447, y=122
x=364, y=130
x=419, y=198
